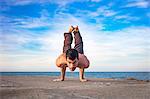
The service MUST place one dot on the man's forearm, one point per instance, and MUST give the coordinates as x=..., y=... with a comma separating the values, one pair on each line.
x=81, y=73
x=63, y=70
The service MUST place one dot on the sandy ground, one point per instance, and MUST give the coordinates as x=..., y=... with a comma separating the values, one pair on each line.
x=43, y=87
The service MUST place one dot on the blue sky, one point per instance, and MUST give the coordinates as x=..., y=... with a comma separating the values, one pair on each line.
x=115, y=33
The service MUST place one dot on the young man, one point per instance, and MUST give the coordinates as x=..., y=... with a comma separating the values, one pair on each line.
x=72, y=57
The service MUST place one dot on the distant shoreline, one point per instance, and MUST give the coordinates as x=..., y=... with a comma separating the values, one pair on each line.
x=129, y=78
x=112, y=75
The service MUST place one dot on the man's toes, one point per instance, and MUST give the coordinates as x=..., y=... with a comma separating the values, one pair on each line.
x=76, y=29
x=71, y=28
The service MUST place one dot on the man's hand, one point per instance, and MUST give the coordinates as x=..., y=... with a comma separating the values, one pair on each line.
x=58, y=80
x=83, y=80
x=81, y=75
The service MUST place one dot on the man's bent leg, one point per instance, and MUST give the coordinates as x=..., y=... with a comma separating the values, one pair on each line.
x=78, y=42
x=67, y=41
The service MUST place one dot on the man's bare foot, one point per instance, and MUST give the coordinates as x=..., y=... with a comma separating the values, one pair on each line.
x=71, y=29
x=58, y=80
x=76, y=29
x=83, y=80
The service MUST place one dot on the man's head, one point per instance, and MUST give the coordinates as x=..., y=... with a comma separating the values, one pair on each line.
x=72, y=58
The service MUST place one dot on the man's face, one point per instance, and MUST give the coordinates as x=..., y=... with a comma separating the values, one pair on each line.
x=72, y=64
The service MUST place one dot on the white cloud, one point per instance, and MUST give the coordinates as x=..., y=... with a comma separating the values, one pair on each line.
x=105, y=11
x=35, y=23
x=122, y=17
x=95, y=0
x=126, y=18
x=139, y=4
x=27, y=2
x=120, y=50
x=29, y=22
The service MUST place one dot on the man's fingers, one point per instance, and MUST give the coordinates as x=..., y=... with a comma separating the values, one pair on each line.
x=57, y=80
x=83, y=80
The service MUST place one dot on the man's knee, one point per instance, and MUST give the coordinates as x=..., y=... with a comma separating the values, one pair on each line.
x=86, y=65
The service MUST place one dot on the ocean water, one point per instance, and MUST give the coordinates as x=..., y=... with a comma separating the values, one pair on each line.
x=115, y=75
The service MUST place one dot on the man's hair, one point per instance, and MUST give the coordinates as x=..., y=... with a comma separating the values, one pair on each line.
x=72, y=54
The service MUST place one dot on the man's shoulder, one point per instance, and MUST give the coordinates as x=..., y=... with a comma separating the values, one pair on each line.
x=63, y=55
x=81, y=55
x=60, y=60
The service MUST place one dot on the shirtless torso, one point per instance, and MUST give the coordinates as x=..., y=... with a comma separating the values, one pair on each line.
x=83, y=61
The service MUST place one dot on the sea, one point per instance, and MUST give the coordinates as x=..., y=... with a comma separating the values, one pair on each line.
x=113, y=75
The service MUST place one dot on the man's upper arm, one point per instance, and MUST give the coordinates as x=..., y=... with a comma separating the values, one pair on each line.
x=59, y=60
x=84, y=61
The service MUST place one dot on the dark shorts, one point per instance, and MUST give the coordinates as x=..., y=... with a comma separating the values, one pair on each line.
x=68, y=41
